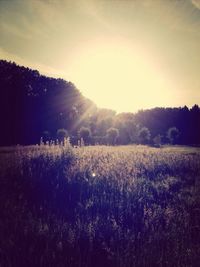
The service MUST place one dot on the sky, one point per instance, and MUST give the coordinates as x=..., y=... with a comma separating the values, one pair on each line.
x=123, y=55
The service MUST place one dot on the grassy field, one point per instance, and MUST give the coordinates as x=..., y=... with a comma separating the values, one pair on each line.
x=101, y=206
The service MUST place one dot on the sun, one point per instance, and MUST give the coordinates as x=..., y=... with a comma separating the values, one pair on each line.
x=120, y=77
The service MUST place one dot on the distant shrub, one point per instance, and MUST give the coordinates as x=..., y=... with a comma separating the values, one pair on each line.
x=85, y=134
x=112, y=134
x=144, y=135
x=157, y=140
x=173, y=135
x=62, y=134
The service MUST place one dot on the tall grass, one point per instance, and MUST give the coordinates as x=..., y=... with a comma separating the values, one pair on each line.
x=99, y=206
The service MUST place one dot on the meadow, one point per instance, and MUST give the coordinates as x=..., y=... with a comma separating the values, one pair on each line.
x=95, y=206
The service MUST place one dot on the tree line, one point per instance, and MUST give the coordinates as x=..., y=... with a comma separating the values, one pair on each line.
x=33, y=106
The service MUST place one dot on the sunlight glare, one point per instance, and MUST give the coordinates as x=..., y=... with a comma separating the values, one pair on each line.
x=119, y=77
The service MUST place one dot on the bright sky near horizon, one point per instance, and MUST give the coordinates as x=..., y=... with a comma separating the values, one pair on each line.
x=124, y=55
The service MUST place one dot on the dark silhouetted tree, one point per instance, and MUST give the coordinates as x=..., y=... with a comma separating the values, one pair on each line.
x=112, y=134
x=157, y=140
x=172, y=135
x=30, y=103
x=85, y=133
x=62, y=134
x=144, y=135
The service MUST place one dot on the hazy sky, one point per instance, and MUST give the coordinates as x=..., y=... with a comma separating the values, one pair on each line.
x=125, y=55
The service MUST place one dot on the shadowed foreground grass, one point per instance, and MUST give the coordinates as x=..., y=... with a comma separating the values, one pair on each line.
x=99, y=206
